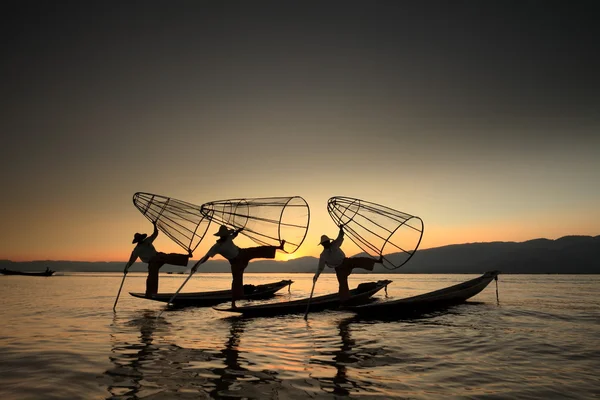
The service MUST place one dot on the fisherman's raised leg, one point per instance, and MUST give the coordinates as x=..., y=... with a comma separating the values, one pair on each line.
x=180, y=260
x=260, y=252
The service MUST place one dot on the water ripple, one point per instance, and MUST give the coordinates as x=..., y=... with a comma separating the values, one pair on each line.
x=67, y=343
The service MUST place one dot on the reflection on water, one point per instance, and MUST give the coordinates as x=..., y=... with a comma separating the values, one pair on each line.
x=339, y=358
x=232, y=380
x=146, y=365
x=65, y=343
x=471, y=350
x=151, y=366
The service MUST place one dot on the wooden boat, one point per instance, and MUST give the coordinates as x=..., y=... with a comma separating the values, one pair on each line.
x=47, y=272
x=207, y=299
x=437, y=299
x=360, y=295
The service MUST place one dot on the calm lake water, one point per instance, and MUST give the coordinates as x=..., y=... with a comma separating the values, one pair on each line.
x=59, y=339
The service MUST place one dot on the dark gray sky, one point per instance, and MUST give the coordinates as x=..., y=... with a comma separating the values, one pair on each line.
x=480, y=117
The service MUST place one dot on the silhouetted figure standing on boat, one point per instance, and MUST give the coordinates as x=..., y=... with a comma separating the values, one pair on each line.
x=333, y=257
x=238, y=258
x=147, y=253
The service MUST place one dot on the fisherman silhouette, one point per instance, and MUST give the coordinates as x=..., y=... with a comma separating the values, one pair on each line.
x=238, y=258
x=147, y=253
x=332, y=256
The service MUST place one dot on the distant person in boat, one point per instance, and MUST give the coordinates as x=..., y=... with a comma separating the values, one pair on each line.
x=333, y=257
x=238, y=258
x=155, y=260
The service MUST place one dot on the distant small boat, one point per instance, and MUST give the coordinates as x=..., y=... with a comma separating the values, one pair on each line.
x=438, y=299
x=47, y=272
x=360, y=295
x=207, y=299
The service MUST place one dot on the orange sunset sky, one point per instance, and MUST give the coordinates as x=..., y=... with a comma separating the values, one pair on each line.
x=482, y=121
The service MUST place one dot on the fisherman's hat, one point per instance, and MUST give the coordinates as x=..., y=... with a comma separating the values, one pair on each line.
x=138, y=237
x=324, y=238
x=223, y=231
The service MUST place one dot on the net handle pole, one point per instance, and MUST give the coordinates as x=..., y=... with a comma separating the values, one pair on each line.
x=119, y=292
x=309, y=299
x=148, y=205
x=162, y=210
x=177, y=292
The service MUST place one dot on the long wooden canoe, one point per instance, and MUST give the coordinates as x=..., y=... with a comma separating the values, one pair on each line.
x=426, y=302
x=207, y=299
x=5, y=271
x=360, y=295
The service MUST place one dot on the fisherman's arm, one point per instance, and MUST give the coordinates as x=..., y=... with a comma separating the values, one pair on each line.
x=320, y=268
x=340, y=237
x=199, y=262
x=211, y=253
x=132, y=259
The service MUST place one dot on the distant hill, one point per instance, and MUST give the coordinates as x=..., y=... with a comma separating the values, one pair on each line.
x=567, y=255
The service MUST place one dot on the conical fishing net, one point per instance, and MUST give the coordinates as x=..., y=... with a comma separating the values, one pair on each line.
x=181, y=221
x=378, y=230
x=266, y=221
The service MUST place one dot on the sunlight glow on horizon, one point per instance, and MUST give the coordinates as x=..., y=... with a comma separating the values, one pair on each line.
x=90, y=237
x=433, y=237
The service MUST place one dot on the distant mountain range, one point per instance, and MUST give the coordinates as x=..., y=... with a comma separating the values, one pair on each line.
x=567, y=255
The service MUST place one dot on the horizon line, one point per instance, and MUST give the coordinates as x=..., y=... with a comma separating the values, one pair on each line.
x=316, y=257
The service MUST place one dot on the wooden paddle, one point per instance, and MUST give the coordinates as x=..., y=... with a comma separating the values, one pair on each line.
x=119, y=293
x=177, y=292
x=308, y=304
